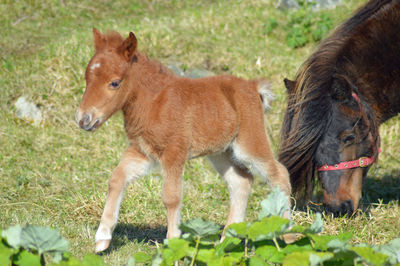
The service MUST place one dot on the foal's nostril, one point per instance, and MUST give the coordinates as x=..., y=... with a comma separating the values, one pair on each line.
x=85, y=121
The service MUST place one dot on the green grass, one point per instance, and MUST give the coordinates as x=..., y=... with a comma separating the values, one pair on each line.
x=56, y=175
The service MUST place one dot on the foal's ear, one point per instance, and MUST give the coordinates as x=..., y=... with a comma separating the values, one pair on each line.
x=341, y=88
x=289, y=84
x=99, y=40
x=128, y=47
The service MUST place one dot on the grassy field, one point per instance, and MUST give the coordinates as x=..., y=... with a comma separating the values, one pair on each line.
x=56, y=175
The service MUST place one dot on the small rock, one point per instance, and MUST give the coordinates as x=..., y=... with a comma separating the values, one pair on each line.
x=27, y=111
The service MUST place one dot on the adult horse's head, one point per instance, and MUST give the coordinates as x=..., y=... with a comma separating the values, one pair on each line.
x=105, y=93
x=330, y=133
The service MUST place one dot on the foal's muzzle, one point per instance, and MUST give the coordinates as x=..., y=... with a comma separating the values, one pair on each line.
x=87, y=121
x=344, y=208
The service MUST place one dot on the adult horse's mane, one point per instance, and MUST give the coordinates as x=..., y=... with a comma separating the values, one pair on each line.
x=310, y=104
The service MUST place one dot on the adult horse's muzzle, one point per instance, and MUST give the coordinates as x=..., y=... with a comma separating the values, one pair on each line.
x=87, y=121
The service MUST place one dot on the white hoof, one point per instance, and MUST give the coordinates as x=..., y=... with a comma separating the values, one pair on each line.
x=102, y=245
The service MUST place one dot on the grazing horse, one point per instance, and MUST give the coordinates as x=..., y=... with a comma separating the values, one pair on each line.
x=170, y=119
x=342, y=93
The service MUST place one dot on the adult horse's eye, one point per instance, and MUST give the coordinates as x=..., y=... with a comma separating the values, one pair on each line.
x=349, y=139
x=115, y=84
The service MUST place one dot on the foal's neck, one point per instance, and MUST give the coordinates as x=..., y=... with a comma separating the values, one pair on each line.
x=145, y=80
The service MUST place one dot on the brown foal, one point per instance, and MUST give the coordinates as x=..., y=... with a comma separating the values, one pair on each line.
x=170, y=119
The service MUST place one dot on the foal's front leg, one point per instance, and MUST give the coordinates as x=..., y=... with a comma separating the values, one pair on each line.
x=172, y=163
x=132, y=166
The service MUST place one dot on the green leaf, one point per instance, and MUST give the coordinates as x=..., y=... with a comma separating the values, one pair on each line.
x=200, y=228
x=392, y=249
x=25, y=258
x=256, y=261
x=270, y=254
x=43, y=239
x=227, y=245
x=5, y=254
x=369, y=255
x=316, y=226
x=238, y=230
x=275, y=204
x=93, y=260
x=268, y=228
x=178, y=248
x=142, y=257
x=326, y=242
x=205, y=254
x=307, y=258
x=318, y=258
x=13, y=236
x=297, y=258
x=131, y=262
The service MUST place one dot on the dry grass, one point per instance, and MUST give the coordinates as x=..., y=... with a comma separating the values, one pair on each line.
x=56, y=175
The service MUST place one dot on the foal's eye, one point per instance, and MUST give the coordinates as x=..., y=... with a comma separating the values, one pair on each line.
x=349, y=139
x=115, y=84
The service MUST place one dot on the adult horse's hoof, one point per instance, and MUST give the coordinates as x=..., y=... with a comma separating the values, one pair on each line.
x=102, y=245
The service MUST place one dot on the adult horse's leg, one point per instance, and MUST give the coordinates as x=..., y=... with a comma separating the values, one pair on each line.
x=132, y=166
x=239, y=181
x=172, y=163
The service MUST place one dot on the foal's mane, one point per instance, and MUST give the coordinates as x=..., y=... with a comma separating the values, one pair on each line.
x=310, y=104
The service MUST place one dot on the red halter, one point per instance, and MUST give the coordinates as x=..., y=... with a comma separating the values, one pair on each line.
x=361, y=162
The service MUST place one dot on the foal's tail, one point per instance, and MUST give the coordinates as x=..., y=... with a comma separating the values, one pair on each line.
x=266, y=94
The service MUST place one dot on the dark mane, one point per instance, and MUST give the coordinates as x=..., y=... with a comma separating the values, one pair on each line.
x=309, y=101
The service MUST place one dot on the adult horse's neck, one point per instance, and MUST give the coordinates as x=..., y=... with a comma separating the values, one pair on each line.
x=372, y=56
x=144, y=81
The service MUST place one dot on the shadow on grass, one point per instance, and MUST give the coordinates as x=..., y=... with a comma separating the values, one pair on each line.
x=125, y=233
x=382, y=190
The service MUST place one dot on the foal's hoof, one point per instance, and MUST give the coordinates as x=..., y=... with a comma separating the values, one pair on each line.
x=289, y=238
x=102, y=245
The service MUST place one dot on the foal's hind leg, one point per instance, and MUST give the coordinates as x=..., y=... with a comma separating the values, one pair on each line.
x=132, y=165
x=239, y=181
x=252, y=147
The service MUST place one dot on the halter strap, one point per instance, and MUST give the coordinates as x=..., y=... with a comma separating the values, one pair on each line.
x=360, y=162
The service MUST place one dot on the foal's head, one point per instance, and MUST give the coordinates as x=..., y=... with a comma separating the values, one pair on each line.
x=347, y=146
x=105, y=93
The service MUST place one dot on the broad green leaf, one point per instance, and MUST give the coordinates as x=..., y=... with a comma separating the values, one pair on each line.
x=142, y=257
x=297, y=259
x=178, y=247
x=276, y=203
x=13, y=236
x=238, y=230
x=256, y=261
x=326, y=242
x=318, y=258
x=222, y=261
x=268, y=228
x=200, y=228
x=369, y=255
x=43, y=239
x=392, y=249
x=307, y=258
x=93, y=260
x=5, y=254
x=205, y=254
x=298, y=246
x=270, y=254
x=68, y=260
x=25, y=258
x=227, y=245
x=316, y=226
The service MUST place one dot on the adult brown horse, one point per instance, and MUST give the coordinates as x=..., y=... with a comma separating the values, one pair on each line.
x=342, y=93
x=170, y=119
